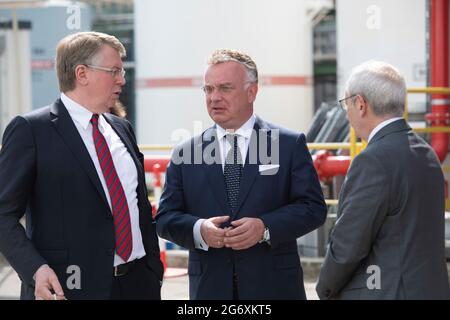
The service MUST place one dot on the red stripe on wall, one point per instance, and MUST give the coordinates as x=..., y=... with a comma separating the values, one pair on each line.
x=198, y=82
x=42, y=64
x=286, y=81
x=170, y=82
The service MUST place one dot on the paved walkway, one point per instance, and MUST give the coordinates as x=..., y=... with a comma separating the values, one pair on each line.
x=174, y=287
x=9, y=282
x=177, y=288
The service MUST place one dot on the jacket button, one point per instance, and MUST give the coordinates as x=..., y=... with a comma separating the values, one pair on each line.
x=327, y=292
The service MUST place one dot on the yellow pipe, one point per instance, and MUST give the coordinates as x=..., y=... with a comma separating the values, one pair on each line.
x=330, y=145
x=431, y=90
x=354, y=146
x=155, y=147
x=446, y=168
x=427, y=90
x=447, y=204
x=361, y=146
x=314, y=145
x=332, y=202
x=432, y=129
x=405, y=112
x=353, y=149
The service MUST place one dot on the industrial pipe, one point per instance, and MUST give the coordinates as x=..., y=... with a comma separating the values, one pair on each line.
x=156, y=163
x=439, y=75
x=328, y=165
x=157, y=166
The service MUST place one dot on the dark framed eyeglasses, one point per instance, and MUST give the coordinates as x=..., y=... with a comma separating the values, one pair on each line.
x=343, y=104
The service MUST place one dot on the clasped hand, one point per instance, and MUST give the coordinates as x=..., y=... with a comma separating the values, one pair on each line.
x=242, y=234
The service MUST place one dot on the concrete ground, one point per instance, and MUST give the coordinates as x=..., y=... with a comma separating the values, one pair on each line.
x=176, y=283
x=175, y=286
x=9, y=282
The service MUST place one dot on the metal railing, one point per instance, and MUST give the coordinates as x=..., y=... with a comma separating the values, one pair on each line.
x=354, y=146
x=429, y=90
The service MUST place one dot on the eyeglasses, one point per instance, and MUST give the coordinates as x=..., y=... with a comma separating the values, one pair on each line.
x=113, y=71
x=222, y=88
x=343, y=104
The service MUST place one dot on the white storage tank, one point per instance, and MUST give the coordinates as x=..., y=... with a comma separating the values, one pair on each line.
x=391, y=31
x=174, y=39
x=50, y=22
x=15, y=77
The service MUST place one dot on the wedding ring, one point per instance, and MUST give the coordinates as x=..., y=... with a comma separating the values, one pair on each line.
x=54, y=296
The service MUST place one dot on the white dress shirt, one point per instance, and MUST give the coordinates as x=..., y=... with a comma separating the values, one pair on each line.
x=124, y=164
x=244, y=134
x=381, y=126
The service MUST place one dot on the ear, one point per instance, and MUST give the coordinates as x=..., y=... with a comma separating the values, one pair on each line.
x=81, y=75
x=251, y=92
x=362, y=106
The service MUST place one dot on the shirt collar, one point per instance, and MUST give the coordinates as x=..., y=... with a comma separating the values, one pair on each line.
x=245, y=130
x=79, y=113
x=381, y=126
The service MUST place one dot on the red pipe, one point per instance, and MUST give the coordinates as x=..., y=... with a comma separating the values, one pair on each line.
x=328, y=166
x=439, y=75
x=156, y=164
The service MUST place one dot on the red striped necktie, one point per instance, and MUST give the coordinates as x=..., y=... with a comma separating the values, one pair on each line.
x=121, y=215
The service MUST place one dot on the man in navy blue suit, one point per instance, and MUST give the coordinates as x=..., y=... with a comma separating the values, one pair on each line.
x=240, y=194
x=76, y=172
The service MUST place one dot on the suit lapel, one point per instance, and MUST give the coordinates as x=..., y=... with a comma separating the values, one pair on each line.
x=69, y=133
x=248, y=178
x=213, y=168
x=214, y=171
x=251, y=170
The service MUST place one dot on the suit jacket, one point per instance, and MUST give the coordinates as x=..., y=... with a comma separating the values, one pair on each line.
x=390, y=223
x=290, y=203
x=46, y=171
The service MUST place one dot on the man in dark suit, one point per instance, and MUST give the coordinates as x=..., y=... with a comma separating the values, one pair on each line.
x=240, y=219
x=388, y=240
x=78, y=174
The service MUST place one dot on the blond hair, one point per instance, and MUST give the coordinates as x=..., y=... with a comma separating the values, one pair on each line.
x=80, y=49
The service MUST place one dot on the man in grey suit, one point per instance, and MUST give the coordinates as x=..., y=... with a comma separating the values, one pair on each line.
x=388, y=241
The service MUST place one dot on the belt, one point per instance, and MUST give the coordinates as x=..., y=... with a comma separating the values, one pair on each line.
x=123, y=269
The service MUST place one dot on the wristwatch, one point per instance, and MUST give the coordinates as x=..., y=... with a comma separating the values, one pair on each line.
x=266, y=236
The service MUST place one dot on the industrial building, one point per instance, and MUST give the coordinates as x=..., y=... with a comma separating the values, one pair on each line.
x=304, y=49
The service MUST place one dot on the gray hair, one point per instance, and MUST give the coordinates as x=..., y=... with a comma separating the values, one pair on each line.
x=225, y=55
x=381, y=84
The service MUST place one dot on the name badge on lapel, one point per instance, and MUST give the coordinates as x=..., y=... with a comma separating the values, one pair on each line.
x=268, y=169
